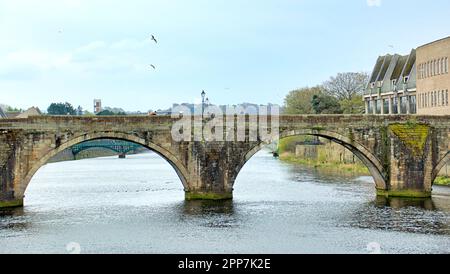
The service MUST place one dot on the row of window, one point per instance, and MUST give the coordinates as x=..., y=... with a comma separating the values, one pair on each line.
x=433, y=99
x=399, y=106
x=433, y=68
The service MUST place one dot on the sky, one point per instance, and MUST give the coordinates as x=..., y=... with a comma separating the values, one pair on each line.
x=236, y=50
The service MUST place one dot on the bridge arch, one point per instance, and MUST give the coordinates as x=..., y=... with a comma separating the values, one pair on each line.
x=167, y=155
x=445, y=160
x=370, y=161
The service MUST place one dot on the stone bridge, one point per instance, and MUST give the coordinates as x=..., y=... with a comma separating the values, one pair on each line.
x=403, y=153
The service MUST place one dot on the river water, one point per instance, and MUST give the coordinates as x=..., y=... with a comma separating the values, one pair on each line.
x=136, y=205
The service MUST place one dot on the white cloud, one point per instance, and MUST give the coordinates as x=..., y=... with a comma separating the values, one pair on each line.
x=374, y=3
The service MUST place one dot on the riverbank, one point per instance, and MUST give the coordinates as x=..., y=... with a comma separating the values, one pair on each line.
x=322, y=155
x=442, y=181
x=352, y=169
x=329, y=157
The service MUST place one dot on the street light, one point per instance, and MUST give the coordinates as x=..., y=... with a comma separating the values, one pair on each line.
x=203, y=102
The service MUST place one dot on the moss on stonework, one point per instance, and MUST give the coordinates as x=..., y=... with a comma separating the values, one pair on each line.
x=208, y=196
x=11, y=203
x=413, y=135
x=404, y=193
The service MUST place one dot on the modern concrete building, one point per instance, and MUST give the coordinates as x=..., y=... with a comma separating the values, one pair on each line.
x=392, y=85
x=417, y=83
x=2, y=113
x=433, y=78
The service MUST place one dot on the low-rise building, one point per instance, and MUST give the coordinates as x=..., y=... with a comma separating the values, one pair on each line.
x=433, y=80
x=392, y=85
x=417, y=83
x=33, y=111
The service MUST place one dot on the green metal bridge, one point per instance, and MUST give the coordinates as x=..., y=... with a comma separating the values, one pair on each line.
x=118, y=146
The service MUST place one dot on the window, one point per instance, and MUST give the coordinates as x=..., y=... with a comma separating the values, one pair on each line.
x=438, y=66
x=446, y=97
x=446, y=65
x=433, y=68
x=443, y=98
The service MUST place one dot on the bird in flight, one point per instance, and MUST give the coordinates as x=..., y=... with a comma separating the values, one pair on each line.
x=153, y=66
x=154, y=39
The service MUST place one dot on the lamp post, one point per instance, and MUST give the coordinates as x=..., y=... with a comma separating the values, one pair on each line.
x=203, y=102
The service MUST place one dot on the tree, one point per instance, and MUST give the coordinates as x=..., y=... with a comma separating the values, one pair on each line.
x=108, y=112
x=61, y=109
x=299, y=101
x=79, y=111
x=353, y=106
x=11, y=109
x=325, y=104
x=345, y=86
x=105, y=113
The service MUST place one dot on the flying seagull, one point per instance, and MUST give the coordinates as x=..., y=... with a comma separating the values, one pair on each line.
x=153, y=66
x=154, y=39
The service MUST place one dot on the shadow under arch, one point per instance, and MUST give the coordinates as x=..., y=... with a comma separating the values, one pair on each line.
x=370, y=161
x=445, y=160
x=165, y=154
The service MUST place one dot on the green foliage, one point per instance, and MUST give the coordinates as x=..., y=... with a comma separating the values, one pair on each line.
x=288, y=144
x=299, y=101
x=340, y=94
x=325, y=104
x=353, y=106
x=107, y=112
x=442, y=181
x=61, y=109
x=11, y=109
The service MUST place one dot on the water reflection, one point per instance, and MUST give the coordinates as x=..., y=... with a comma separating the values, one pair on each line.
x=402, y=215
x=202, y=208
x=14, y=219
x=211, y=214
x=399, y=203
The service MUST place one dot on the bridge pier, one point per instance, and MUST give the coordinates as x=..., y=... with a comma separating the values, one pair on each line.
x=409, y=161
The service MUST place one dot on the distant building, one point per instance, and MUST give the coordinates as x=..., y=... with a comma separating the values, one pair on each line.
x=97, y=106
x=392, y=85
x=2, y=113
x=33, y=111
x=433, y=80
x=417, y=83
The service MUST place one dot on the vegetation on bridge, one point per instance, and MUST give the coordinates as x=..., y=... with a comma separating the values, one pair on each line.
x=413, y=135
